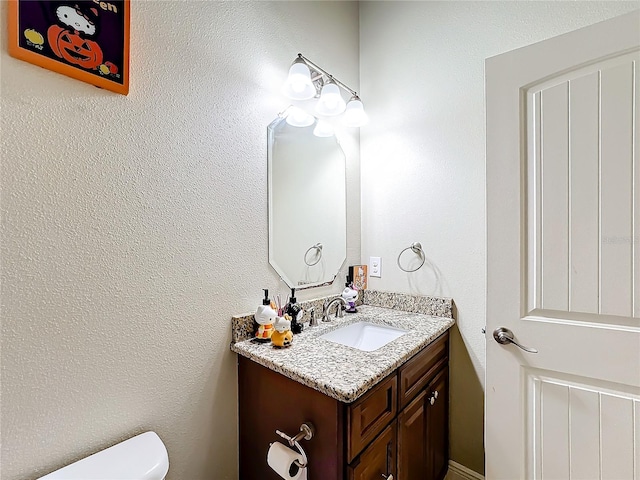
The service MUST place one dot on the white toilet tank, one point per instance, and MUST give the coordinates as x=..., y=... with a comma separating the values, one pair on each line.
x=143, y=457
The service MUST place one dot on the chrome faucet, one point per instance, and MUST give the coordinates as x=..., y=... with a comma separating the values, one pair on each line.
x=326, y=308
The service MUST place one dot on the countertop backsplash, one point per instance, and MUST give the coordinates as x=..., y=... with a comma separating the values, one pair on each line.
x=244, y=326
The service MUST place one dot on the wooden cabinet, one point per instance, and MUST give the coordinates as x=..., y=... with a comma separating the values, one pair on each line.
x=412, y=439
x=437, y=436
x=378, y=460
x=368, y=415
x=421, y=368
x=399, y=427
x=423, y=433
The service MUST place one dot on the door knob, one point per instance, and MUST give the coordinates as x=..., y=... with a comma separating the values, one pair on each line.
x=504, y=336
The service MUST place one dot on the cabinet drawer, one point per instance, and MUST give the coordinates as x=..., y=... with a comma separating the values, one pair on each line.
x=414, y=375
x=369, y=415
x=378, y=460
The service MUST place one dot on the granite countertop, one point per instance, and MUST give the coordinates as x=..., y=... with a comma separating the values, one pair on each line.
x=342, y=372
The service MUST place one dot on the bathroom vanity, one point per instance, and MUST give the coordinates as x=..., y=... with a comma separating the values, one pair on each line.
x=376, y=414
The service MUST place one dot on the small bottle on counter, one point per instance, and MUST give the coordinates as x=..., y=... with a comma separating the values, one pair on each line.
x=265, y=316
x=296, y=313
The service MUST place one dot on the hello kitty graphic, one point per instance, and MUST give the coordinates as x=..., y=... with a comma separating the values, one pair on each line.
x=71, y=42
x=72, y=17
x=84, y=39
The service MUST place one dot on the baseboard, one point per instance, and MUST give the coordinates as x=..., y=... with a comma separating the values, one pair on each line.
x=457, y=471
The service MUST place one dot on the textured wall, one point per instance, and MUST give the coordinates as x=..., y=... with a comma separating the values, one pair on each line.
x=134, y=227
x=422, y=70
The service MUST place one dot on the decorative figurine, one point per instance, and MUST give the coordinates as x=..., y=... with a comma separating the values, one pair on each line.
x=265, y=316
x=350, y=295
x=282, y=337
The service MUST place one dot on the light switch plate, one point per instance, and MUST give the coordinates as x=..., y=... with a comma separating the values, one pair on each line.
x=375, y=267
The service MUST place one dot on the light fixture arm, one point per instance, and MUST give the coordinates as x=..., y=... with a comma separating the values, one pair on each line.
x=322, y=71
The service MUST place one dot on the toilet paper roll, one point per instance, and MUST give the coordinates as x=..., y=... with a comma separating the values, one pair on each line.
x=282, y=459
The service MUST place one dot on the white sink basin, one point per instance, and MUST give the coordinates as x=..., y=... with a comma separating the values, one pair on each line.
x=364, y=335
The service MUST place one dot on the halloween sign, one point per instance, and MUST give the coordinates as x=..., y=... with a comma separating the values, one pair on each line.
x=84, y=39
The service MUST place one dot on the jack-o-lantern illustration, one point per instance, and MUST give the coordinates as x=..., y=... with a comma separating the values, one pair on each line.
x=73, y=48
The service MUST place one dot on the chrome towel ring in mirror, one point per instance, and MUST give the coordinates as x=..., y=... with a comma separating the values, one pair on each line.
x=416, y=248
x=317, y=248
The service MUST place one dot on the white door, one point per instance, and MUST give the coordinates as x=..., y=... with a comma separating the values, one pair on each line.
x=563, y=259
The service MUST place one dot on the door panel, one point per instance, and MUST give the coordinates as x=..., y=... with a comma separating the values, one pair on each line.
x=554, y=443
x=616, y=418
x=581, y=428
x=582, y=188
x=584, y=432
x=553, y=126
x=636, y=204
x=616, y=211
x=584, y=106
x=562, y=256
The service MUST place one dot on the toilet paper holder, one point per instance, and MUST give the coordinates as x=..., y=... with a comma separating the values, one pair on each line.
x=306, y=433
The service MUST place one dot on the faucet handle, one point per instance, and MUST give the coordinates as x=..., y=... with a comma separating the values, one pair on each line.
x=312, y=317
x=325, y=310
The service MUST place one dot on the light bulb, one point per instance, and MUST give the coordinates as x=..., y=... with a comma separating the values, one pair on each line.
x=298, y=85
x=296, y=117
x=331, y=101
x=323, y=129
x=354, y=115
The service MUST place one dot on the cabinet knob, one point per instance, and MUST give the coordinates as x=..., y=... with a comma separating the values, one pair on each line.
x=435, y=394
x=432, y=400
x=390, y=477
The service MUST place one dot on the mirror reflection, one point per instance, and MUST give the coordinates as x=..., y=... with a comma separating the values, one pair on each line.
x=307, y=205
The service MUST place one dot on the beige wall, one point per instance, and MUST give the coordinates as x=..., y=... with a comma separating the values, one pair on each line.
x=134, y=227
x=422, y=70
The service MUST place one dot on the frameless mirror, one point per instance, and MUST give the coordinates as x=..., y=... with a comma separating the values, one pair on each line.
x=307, y=205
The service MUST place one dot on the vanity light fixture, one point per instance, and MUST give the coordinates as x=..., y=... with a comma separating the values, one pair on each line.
x=323, y=129
x=355, y=116
x=296, y=117
x=330, y=102
x=307, y=80
x=298, y=85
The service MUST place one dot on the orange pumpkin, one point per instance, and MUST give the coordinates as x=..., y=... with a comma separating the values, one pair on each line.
x=73, y=48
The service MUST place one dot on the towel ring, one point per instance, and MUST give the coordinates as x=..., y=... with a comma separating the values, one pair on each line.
x=318, y=249
x=416, y=248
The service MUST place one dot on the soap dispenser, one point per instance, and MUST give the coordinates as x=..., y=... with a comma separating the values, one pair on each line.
x=265, y=316
x=349, y=295
x=296, y=313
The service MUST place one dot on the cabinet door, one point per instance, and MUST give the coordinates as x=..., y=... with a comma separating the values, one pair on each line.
x=378, y=460
x=413, y=462
x=437, y=408
x=369, y=415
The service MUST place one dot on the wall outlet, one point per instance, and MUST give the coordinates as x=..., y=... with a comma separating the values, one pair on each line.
x=375, y=267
